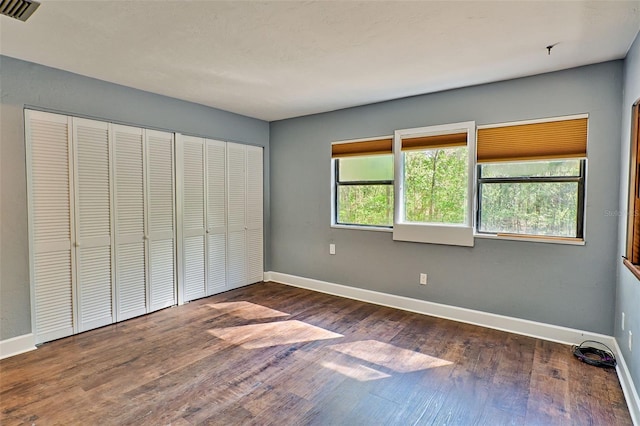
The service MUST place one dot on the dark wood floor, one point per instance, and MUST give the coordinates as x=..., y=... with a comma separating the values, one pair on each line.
x=273, y=354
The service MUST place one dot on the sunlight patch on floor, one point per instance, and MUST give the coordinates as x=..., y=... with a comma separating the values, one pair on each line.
x=247, y=310
x=256, y=336
x=389, y=356
x=358, y=371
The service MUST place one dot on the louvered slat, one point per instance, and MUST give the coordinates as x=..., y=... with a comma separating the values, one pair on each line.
x=53, y=295
x=255, y=264
x=254, y=186
x=216, y=184
x=162, y=283
x=129, y=180
x=237, y=259
x=193, y=186
x=236, y=183
x=131, y=281
x=95, y=307
x=50, y=180
x=92, y=147
x=194, y=283
x=160, y=174
x=217, y=247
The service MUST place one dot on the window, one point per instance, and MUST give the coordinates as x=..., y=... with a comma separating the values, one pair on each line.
x=363, y=183
x=633, y=218
x=434, y=176
x=531, y=178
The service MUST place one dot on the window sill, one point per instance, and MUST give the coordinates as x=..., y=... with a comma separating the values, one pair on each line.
x=635, y=269
x=451, y=235
x=363, y=228
x=533, y=239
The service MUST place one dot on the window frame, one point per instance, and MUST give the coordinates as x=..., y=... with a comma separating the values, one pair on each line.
x=335, y=184
x=631, y=258
x=435, y=233
x=580, y=180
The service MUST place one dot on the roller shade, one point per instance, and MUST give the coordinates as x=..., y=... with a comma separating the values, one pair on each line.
x=432, y=142
x=370, y=147
x=535, y=141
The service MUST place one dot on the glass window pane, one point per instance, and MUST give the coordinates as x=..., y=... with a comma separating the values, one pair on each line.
x=435, y=185
x=365, y=204
x=532, y=169
x=367, y=168
x=548, y=209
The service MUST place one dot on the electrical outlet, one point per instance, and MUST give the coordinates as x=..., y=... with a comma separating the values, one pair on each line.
x=622, y=322
x=332, y=249
x=423, y=279
x=630, y=341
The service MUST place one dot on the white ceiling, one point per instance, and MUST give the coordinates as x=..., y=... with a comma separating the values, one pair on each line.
x=279, y=59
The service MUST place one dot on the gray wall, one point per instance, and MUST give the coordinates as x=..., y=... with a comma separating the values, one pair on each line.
x=628, y=288
x=27, y=84
x=572, y=286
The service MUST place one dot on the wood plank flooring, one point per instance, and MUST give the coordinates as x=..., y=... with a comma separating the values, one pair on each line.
x=274, y=354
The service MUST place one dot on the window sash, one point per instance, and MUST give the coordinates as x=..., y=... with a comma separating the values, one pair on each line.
x=336, y=195
x=580, y=180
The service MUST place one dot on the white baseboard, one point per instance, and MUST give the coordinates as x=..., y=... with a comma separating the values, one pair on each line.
x=628, y=387
x=17, y=345
x=539, y=330
x=524, y=327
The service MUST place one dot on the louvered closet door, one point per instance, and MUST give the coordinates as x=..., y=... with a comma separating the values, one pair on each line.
x=193, y=217
x=236, y=208
x=52, y=263
x=131, y=279
x=216, y=217
x=93, y=224
x=161, y=219
x=255, y=264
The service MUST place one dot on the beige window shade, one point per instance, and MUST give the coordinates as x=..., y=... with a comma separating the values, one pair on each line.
x=432, y=142
x=370, y=147
x=536, y=141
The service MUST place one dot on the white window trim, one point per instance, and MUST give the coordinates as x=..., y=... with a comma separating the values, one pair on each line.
x=435, y=233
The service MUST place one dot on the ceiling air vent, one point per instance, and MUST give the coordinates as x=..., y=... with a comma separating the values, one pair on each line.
x=18, y=9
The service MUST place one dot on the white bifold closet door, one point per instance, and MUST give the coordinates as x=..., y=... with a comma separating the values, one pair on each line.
x=245, y=211
x=161, y=219
x=216, y=216
x=101, y=222
x=237, y=211
x=203, y=224
x=130, y=241
x=144, y=205
x=255, y=228
x=51, y=229
x=192, y=153
x=94, y=223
